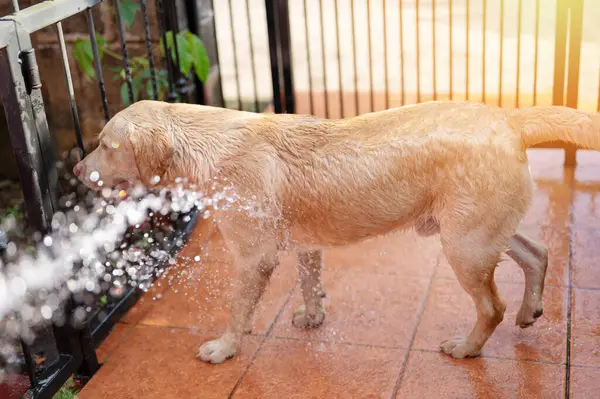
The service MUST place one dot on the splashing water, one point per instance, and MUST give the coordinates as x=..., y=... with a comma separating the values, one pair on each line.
x=81, y=255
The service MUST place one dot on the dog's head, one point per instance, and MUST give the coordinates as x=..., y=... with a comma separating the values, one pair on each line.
x=134, y=147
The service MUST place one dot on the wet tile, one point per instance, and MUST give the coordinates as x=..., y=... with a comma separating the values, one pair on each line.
x=551, y=204
x=552, y=195
x=557, y=242
x=13, y=386
x=547, y=164
x=433, y=375
x=586, y=257
x=450, y=311
x=157, y=362
x=369, y=309
x=588, y=157
x=586, y=201
x=204, y=236
x=585, y=328
x=292, y=369
x=402, y=253
x=584, y=383
x=146, y=302
x=202, y=299
x=117, y=335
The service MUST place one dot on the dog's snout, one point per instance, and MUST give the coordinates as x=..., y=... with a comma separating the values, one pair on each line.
x=78, y=169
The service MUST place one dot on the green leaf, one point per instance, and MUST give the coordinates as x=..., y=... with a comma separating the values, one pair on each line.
x=129, y=9
x=82, y=50
x=200, y=57
x=183, y=46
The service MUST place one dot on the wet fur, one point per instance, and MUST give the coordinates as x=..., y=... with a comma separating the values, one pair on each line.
x=450, y=168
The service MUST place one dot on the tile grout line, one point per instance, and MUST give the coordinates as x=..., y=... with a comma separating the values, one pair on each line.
x=414, y=333
x=262, y=343
x=570, y=288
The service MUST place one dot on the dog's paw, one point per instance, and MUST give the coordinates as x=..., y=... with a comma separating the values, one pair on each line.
x=217, y=351
x=301, y=319
x=459, y=348
x=529, y=314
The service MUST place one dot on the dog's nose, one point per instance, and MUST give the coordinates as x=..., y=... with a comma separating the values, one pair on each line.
x=78, y=169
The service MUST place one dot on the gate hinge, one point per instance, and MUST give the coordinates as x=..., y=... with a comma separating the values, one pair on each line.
x=30, y=70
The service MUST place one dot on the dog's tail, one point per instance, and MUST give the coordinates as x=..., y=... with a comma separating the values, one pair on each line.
x=555, y=123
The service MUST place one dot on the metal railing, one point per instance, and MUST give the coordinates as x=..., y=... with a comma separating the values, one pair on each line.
x=339, y=58
x=31, y=139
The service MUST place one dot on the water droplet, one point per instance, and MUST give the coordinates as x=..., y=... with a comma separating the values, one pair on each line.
x=18, y=286
x=115, y=144
x=48, y=241
x=46, y=312
x=94, y=176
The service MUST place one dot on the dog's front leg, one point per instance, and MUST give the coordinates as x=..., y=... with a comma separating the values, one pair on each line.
x=312, y=313
x=253, y=276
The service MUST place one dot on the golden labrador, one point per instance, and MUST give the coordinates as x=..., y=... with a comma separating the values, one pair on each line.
x=454, y=168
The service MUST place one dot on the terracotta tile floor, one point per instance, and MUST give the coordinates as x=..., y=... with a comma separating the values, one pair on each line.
x=390, y=302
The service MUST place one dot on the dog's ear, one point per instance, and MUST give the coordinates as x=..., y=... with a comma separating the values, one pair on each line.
x=153, y=151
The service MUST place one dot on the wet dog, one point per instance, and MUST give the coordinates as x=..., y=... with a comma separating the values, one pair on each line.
x=456, y=169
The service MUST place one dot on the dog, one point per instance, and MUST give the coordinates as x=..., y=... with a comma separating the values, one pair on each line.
x=457, y=169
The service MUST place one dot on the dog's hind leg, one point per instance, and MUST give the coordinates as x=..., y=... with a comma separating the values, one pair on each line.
x=312, y=313
x=533, y=259
x=473, y=257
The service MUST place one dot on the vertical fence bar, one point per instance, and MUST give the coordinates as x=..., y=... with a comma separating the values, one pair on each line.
x=162, y=24
x=484, y=32
x=308, y=63
x=193, y=23
x=467, y=51
x=126, y=65
x=501, y=52
x=181, y=83
x=15, y=4
x=339, y=58
x=370, y=43
x=385, y=58
x=401, y=41
x=433, y=52
x=324, y=59
x=535, y=51
x=575, y=39
x=354, y=57
x=252, y=65
x=27, y=125
x=30, y=363
x=270, y=6
x=148, y=42
x=519, y=22
x=235, y=59
x=70, y=90
x=560, y=52
x=418, y=51
x=97, y=65
x=450, y=49
x=286, y=54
